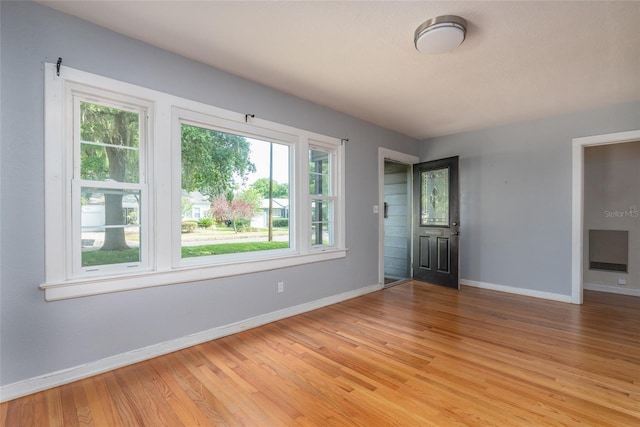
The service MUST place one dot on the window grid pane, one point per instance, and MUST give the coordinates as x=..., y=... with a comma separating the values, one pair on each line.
x=319, y=173
x=109, y=144
x=110, y=226
x=322, y=220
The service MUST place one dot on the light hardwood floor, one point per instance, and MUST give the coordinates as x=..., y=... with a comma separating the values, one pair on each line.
x=411, y=355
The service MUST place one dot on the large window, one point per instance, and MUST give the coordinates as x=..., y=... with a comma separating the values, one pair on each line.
x=246, y=207
x=146, y=189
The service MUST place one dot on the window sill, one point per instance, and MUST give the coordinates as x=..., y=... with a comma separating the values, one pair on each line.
x=95, y=286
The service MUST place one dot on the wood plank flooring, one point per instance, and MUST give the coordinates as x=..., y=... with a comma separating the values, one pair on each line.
x=410, y=355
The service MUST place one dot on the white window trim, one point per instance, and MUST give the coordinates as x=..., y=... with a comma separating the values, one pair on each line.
x=209, y=120
x=123, y=102
x=59, y=282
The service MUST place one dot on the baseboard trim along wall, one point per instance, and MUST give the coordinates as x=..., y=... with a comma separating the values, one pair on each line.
x=65, y=376
x=518, y=291
x=612, y=289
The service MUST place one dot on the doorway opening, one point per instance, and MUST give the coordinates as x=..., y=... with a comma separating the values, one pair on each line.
x=395, y=215
x=578, y=204
x=611, y=218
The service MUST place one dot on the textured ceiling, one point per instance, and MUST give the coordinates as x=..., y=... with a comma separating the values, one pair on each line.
x=521, y=60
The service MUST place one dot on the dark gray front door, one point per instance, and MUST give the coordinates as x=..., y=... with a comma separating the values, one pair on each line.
x=436, y=225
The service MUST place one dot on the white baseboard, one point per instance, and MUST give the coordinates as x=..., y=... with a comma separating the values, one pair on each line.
x=612, y=289
x=518, y=291
x=65, y=376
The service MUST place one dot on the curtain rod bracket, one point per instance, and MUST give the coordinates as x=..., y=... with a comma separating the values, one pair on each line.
x=246, y=117
x=343, y=140
x=58, y=64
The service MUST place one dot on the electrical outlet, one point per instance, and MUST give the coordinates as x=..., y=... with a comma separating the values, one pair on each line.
x=280, y=287
x=622, y=280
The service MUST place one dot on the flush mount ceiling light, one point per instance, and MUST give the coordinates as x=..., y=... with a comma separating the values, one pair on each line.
x=441, y=34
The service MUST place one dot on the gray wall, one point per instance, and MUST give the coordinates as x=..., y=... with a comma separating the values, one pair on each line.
x=611, y=202
x=39, y=337
x=515, y=185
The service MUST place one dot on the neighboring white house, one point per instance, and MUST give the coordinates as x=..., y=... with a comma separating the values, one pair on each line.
x=280, y=210
x=199, y=203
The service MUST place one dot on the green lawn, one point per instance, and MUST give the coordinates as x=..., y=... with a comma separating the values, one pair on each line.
x=230, y=248
x=91, y=258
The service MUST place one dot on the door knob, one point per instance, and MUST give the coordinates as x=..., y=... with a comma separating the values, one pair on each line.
x=455, y=233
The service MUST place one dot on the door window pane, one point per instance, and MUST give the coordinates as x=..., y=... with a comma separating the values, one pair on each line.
x=434, y=197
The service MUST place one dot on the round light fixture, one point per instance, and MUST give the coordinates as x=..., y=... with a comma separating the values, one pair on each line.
x=441, y=34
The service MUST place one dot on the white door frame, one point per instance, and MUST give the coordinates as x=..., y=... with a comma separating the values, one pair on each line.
x=577, y=202
x=396, y=156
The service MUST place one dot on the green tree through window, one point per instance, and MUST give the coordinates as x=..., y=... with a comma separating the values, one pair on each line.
x=109, y=151
x=212, y=160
